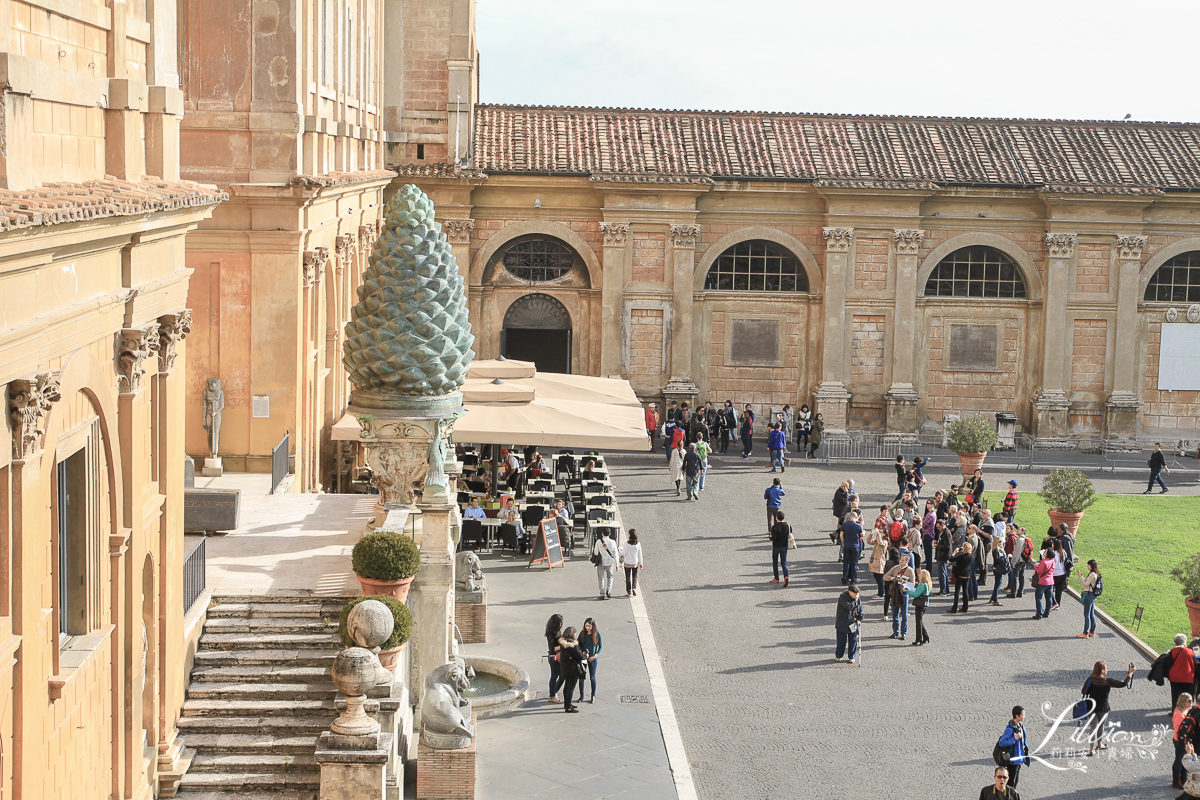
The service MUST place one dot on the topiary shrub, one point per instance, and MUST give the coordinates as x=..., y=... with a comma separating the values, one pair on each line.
x=1187, y=572
x=971, y=435
x=385, y=556
x=401, y=630
x=1068, y=490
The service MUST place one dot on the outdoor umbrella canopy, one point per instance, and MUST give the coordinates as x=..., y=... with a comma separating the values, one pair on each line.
x=501, y=368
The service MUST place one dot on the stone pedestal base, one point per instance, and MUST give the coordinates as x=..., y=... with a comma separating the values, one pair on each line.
x=445, y=774
x=902, y=404
x=1121, y=416
x=1052, y=423
x=213, y=468
x=354, y=767
x=833, y=404
x=470, y=615
x=681, y=390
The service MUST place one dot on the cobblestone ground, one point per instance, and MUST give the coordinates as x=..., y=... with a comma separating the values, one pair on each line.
x=766, y=712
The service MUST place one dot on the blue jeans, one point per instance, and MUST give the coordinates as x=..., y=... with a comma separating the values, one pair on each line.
x=850, y=557
x=779, y=556
x=1156, y=477
x=996, y=576
x=693, y=484
x=556, y=680
x=777, y=459
x=900, y=617
x=1089, y=612
x=973, y=582
x=943, y=577
x=1043, y=599
x=844, y=639
x=592, y=667
x=703, y=474
x=747, y=444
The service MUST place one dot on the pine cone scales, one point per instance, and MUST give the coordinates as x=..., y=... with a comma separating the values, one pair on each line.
x=408, y=335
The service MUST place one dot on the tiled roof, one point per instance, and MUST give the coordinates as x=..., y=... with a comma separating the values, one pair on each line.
x=56, y=203
x=341, y=178
x=438, y=169
x=889, y=152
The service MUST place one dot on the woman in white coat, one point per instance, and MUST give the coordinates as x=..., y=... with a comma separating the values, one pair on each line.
x=677, y=466
x=631, y=557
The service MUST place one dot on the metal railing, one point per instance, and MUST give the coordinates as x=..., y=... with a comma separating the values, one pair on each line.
x=884, y=447
x=193, y=575
x=279, y=461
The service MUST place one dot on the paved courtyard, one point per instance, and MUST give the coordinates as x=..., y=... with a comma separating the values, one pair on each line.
x=765, y=711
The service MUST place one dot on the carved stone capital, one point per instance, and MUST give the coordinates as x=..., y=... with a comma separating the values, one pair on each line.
x=314, y=264
x=1129, y=248
x=343, y=246
x=685, y=235
x=614, y=233
x=172, y=329
x=134, y=346
x=367, y=234
x=29, y=402
x=1060, y=245
x=908, y=241
x=837, y=240
x=458, y=231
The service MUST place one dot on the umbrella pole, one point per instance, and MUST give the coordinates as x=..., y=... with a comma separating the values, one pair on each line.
x=495, y=469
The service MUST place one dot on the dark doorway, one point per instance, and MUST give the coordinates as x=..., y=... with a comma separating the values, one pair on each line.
x=537, y=328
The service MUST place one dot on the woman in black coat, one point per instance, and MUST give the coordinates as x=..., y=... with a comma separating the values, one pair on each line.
x=841, y=503
x=1097, y=688
x=571, y=659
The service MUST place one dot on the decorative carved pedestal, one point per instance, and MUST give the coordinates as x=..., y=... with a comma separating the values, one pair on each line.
x=470, y=615
x=902, y=405
x=1121, y=416
x=833, y=404
x=445, y=774
x=681, y=390
x=1052, y=423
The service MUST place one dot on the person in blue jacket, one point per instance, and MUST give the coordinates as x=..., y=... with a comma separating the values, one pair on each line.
x=776, y=443
x=1013, y=740
x=774, y=497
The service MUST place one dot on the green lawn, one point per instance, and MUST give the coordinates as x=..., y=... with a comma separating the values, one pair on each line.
x=1137, y=540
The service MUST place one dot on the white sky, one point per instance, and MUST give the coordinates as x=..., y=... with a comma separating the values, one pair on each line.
x=995, y=58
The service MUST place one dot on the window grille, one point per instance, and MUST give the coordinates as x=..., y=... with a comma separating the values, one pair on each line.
x=978, y=271
x=538, y=260
x=757, y=266
x=1177, y=281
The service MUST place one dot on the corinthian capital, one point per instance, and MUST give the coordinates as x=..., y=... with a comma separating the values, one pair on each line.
x=685, y=235
x=1129, y=248
x=172, y=329
x=29, y=402
x=314, y=264
x=908, y=241
x=458, y=231
x=1060, y=245
x=614, y=233
x=134, y=346
x=344, y=247
x=837, y=240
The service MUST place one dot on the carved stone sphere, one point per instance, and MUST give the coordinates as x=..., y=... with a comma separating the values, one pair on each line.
x=355, y=671
x=370, y=623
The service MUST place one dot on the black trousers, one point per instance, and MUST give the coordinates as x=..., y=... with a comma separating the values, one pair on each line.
x=960, y=584
x=922, y=635
x=1060, y=583
x=1014, y=772
x=569, y=687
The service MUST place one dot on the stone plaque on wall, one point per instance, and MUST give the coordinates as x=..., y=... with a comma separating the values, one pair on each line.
x=973, y=347
x=754, y=341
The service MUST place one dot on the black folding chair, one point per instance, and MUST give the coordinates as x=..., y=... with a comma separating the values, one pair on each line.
x=508, y=537
x=532, y=516
x=472, y=533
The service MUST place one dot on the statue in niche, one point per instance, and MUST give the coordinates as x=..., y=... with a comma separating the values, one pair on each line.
x=214, y=404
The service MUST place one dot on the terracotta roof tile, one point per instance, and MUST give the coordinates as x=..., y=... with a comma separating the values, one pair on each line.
x=692, y=146
x=341, y=178
x=58, y=203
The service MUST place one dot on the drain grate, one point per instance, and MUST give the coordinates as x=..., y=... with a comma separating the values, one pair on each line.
x=635, y=698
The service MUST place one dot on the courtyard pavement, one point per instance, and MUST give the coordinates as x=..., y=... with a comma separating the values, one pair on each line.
x=765, y=711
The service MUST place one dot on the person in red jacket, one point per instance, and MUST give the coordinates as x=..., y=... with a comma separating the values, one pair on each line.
x=1010, y=501
x=1182, y=673
x=652, y=424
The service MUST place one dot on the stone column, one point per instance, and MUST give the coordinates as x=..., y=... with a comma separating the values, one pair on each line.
x=614, y=235
x=683, y=262
x=431, y=597
x=902, y=398
x=1052, y=404
x=832, y=399
x=1122, y=408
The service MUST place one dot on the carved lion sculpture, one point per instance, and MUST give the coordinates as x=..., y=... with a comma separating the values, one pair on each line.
x=444, y=709
x=469, y=572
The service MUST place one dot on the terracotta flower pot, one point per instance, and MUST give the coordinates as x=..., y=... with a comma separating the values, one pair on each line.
x=389, y=658
x=397, y=589
x=971, y=462
x=1058, y=517
x=1193, y=607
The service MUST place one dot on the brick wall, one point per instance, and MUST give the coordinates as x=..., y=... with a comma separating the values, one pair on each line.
x=649, y=256
x=426, y=73
x=866, y=349
x=1092, y=268
x=471, y=619
x=645, y=345
x=758, y=386
x=958, y=392
x=1089, y=343
x=871, y=267
x=446, y=774
x=1165, y=409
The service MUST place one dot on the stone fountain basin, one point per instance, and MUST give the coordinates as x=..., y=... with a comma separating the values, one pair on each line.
x=492, y=705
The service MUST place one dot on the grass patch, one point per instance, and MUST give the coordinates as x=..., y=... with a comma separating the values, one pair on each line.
x=1137, y=539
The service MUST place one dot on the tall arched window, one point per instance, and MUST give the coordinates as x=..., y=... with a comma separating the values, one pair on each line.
x=1177, y=281
x=976, y=271
x=757, y=265
x=538, y=260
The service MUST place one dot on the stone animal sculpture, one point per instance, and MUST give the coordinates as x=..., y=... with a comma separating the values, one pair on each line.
x=469, y=572
x=444, y=709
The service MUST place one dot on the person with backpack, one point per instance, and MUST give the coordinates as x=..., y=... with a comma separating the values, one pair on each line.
x=1000, y=568
x=781, y=540
x=1012, y=750
x=604, y=557
x=1093, y=587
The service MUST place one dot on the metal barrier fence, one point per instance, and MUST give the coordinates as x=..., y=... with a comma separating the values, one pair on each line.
x=279, y=461
x=884, y=447
x=193, y=576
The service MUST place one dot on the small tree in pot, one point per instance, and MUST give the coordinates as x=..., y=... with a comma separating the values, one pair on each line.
x=1067, y=492
x=385, y=562
x=1187, y=572
x=402, y=624
x=971, y=438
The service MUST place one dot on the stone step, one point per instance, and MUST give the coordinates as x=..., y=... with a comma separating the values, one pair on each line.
x=314, y=725
x=257, y=708
x=287, y=609
x=210, y=794
x=307, y=657
x=258, y=762
x=252, y=781
x=255, y=641
x=261, y=674
x=250, y=743
x=270, y=625
x=238, y=691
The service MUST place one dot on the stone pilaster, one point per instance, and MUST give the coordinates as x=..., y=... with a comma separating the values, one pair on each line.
x=1122, y=410
x=683, y=262
x=832, y=398
x=431, y=597
x=1051, y=422
x=615, y=236
x=902, y=399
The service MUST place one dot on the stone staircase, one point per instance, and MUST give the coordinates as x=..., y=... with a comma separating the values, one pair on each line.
x=259, y=697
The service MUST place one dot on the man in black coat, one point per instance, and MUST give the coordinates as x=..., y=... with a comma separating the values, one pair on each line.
x=692, y=464
x=849, y=615
x=1157, y=465
x=999, y=790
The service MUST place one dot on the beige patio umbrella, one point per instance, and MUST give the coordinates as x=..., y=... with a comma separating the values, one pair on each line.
x=501, y=368
x=553, y=423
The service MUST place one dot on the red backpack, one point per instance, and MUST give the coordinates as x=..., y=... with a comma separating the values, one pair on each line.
x=1027, y=550
x=897, y=532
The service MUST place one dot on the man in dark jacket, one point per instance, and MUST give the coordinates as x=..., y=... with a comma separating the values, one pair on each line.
x=1157, y=465
x=851, y=534
x=849, y=615
x=692, y=465
x=999, y=790
x=1014, y=743
x=780, y=533
x=841, y=503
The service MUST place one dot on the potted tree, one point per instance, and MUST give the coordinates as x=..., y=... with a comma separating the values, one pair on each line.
x=1187, y=572
x=385, y=562
x=1067, y=492
x=971, y=438
x=389, y=651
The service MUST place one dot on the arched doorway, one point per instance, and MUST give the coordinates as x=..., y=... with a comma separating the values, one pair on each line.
x=537, y=328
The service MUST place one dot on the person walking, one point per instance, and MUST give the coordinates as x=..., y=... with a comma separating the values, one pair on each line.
x=774, y=497
x=849, y=617
x=572, y=657
x=781, y=540
x=999, y=790
x=676, y=465
x=1093, y=585
x=605, y=559
x=901, y=476
x=1157, y=465
x=554, y=629
x=1182, y=706
x=851, y=536
x=1097, y=689
x=961, y=568
x=814, y=435
x=592, y=643
x=1015, y=745
x=702, y=451
x=920, y=600
x=693, y=465
x=900, y=577
x=1043, y=583
x=747, y=432
x=776, y=442
x=631, y=558
x=1182, y=672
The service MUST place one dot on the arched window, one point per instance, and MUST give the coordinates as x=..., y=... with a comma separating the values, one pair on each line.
x=976, y=271
x=757, y=265
x=1177, y=281
x=538, y=260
